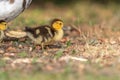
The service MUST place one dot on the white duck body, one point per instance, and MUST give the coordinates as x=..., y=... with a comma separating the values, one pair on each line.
x=9, y=9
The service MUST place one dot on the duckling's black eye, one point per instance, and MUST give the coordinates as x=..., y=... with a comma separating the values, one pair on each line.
x=60, y=23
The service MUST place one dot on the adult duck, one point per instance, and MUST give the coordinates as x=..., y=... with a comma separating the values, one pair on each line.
x=10, y=9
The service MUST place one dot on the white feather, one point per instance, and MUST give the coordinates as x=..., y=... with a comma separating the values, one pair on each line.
x=8, y=11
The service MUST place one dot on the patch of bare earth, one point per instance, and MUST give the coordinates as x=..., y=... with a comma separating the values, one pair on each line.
x=81, y=49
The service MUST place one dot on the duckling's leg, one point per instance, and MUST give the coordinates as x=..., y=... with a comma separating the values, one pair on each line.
x=1, y=35
x=42, y=46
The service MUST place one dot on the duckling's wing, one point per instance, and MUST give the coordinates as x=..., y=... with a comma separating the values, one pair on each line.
x=9, y=9
x=44, y=31
x=41, y=34
x=47, y=33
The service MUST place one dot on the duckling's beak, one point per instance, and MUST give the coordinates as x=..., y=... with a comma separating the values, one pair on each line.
x=3, y=27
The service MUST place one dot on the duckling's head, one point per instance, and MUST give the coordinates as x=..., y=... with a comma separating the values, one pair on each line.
x=3, y=25
x=57, y=24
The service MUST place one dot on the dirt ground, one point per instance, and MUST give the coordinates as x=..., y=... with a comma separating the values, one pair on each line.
x=87, y=51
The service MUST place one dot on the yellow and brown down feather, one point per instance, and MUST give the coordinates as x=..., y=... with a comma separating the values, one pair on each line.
x=46, y=34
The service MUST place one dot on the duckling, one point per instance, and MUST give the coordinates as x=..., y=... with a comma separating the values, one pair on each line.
x=46, y=34
x=3, y=27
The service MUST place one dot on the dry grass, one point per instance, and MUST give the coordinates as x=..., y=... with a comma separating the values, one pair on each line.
x=90, y=48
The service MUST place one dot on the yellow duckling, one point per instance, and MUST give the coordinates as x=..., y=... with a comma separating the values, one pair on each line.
x=2, y=28
x=46, y=34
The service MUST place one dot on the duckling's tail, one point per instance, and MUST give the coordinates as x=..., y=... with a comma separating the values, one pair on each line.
x=28, y=29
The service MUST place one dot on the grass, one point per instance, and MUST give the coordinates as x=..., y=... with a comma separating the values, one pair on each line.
x=58, y=54
x=98, y=41
x=22, y=54
x=68, y=43
x=53, y=76
x=2, y=63
x=41, y=76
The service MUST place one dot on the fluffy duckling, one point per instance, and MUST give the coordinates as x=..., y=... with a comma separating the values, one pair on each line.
x=3, y=27
x=46, y=34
